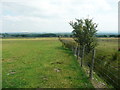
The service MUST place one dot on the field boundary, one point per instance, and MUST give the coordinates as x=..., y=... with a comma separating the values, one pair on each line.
x=106, y=76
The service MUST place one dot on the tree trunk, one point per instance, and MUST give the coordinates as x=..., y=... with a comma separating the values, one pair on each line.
x=92, y=65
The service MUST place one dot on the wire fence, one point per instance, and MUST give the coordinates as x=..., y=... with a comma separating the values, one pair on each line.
x=109, y=74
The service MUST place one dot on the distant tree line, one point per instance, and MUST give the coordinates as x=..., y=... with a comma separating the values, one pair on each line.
x=48, y=35
x=28, y=35
x=111, y=35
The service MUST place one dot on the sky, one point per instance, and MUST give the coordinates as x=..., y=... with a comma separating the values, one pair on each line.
x=54, y=15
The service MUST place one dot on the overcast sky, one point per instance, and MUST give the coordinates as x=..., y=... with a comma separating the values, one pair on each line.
x=54, y=15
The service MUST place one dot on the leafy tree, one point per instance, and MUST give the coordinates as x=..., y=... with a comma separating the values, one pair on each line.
x=78, y=31
x=90, y=34
x=84, y=33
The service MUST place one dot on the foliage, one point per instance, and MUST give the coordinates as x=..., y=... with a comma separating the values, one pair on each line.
x=84, y=33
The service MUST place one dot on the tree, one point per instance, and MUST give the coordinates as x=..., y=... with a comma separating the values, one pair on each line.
x=84, y=33
x=90, y=39
x=78, y=35
x=78, y=31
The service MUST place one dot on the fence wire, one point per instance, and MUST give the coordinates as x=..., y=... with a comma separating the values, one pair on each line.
x=105, y=72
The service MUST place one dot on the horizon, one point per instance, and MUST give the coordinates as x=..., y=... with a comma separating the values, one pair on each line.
x=57, y=32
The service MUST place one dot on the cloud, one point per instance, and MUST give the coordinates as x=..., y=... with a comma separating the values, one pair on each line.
x=54, y=15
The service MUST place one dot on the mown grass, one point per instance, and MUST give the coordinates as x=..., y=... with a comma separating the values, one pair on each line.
x=40, y=63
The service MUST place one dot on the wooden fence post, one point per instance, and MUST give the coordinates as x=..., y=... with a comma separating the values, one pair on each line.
x=75, y=51
x=83, y=50
x=62, y=44
x=78, y=52
x=92, y=64
x=72, y=49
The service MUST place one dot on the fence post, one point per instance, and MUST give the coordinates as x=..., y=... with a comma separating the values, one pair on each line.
x=92, y=64
x=75, y=51
x=83, y=50
x=72, y=49
x=62, y=44
x=78, y=53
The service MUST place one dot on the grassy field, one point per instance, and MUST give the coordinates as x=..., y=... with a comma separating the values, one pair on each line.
x=40, y=63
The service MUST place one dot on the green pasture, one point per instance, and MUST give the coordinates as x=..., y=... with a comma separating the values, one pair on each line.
x=40, y=63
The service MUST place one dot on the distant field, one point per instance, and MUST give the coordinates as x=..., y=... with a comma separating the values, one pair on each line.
x=40, y=63
x=30, y=38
